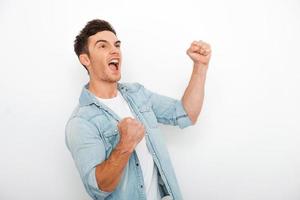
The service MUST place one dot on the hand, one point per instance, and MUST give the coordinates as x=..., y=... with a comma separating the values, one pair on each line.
x=131, y=133
x=200, y=53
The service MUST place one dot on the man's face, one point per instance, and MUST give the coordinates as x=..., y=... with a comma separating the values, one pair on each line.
x=104, y=57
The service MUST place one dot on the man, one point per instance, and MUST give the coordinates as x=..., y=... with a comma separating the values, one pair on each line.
x=113, y=133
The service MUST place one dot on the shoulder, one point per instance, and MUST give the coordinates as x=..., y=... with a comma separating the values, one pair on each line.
x=86, y=113
x=131, y=86
x=136, y=89
x=84, y=119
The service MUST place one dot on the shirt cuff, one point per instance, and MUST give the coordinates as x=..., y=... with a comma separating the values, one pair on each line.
x=182, y=117
x=93, y=188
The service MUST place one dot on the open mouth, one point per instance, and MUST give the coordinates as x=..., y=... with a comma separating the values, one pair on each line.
x=114, y=64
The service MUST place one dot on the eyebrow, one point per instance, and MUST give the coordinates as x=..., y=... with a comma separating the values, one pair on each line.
x=105, y=41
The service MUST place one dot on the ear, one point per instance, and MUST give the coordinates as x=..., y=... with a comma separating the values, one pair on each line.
x=84, y=59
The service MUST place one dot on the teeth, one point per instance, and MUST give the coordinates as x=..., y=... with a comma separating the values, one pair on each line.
x=114, y=61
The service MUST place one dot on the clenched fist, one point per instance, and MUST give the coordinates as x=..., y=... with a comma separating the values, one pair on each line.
x=200, y=53
x=131, y=133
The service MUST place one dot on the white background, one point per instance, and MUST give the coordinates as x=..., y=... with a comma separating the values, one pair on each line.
x=246, y=144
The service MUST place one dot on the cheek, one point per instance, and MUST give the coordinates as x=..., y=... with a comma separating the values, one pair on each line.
x=99, y=61
x=98, y=66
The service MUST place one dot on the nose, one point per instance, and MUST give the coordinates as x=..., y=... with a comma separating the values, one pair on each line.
x=114, y=50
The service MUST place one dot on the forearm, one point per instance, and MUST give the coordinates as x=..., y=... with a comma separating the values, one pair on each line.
x=109, y=172
x=194, y=93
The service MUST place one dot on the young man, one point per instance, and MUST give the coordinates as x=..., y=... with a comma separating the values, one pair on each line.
x=113, y=134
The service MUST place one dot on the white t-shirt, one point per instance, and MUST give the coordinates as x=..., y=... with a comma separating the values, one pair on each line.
x=119, y=105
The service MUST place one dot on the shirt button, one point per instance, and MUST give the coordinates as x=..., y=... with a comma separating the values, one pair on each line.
x=137, y=164
x=116, y=130
x=141, y=186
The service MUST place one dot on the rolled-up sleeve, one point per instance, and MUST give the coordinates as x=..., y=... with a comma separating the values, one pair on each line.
x=168, y=110
x=87, y=149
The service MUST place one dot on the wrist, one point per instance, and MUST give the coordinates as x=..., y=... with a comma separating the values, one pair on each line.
x=124, y=148
x=200, y=69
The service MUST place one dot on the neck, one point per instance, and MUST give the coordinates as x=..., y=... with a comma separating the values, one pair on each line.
x=103, y=89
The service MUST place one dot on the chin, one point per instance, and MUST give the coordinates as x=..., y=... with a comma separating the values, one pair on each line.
x=114, y=79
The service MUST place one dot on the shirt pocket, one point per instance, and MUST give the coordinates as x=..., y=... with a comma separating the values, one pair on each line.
x=148, y=115
x=111, y=137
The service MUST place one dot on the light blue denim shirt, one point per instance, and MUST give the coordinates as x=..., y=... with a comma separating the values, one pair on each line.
x=92, y=134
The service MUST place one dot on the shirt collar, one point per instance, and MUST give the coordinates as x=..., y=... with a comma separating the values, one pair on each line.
x=88, y=98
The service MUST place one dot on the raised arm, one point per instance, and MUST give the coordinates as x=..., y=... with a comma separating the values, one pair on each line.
x=192, y=99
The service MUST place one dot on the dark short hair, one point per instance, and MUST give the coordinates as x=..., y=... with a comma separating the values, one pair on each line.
x=91, y=28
